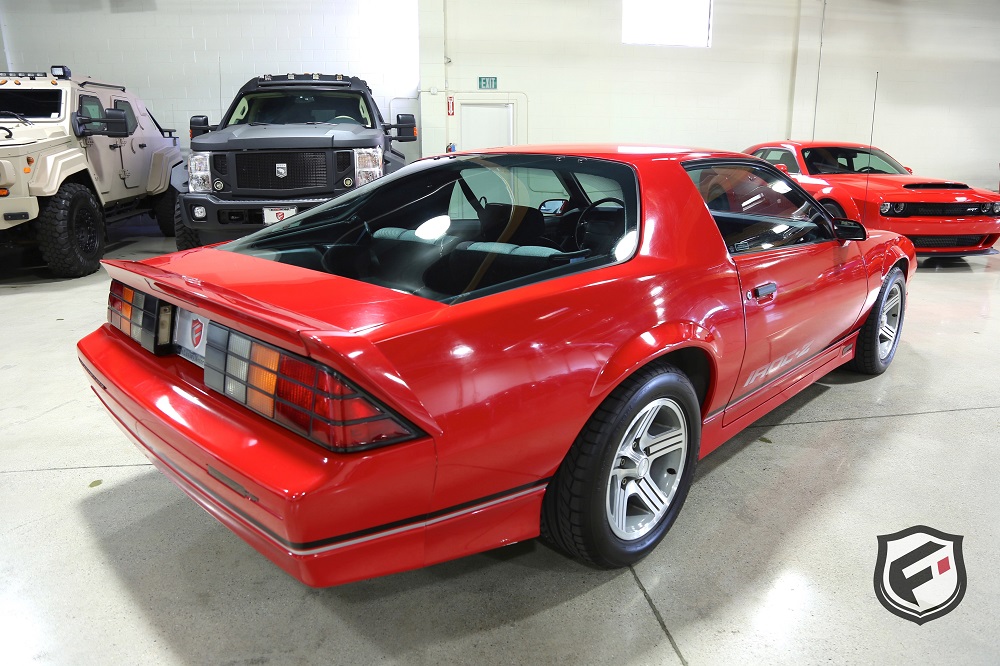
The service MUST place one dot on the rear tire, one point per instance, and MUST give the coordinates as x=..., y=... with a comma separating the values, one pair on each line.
x=70, y=231
x=163, y=211
x=186, y=237
x=879, y=336
x=626, y=477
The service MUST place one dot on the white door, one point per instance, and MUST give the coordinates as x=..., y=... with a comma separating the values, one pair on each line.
x=486, y=125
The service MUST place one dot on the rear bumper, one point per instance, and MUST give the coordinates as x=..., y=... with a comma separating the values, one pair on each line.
x=324, y=518
x=235, y=217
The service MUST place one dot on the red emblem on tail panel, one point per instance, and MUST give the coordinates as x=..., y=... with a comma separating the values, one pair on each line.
x=197, y=329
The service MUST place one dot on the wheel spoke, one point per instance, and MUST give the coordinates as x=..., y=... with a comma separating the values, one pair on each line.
x=642, y=430
x=667, y=443
x=892, y=302
x=619, y=506
x=887, y=331
x=650, y=495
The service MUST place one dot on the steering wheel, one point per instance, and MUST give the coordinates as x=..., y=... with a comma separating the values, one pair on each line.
x=868, y=169
x=580, y=232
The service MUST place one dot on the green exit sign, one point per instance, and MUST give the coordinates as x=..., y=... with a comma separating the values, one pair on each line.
x=487, y=83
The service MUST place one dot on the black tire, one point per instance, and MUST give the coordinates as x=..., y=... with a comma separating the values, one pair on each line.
x=833, y=208
x=578, y=504
x=186, y=237
x=874, y=350
x=70, y=231
x=163, y=211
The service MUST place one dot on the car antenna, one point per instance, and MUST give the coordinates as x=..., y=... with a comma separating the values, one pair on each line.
x=871, y=144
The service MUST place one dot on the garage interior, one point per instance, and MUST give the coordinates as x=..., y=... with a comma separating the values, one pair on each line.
x=103, y=560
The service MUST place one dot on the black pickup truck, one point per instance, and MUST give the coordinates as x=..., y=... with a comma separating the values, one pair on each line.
x=287, y=142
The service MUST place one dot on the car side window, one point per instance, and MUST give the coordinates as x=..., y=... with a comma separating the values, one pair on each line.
x=122, y=105
x=756, y=209
x=91, y=107
x=778, y=156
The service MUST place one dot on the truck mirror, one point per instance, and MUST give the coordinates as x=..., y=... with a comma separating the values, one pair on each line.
x=199, y=126
x=113, y=124
x=406, y=127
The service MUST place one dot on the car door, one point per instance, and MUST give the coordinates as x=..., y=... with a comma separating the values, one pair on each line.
x=102, y=151
x=136, y=153
x=803, y=290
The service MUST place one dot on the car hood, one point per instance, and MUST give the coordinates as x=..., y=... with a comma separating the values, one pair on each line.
x=281, y=295
x=288, y=137
x=906, y=188
x=27, y=135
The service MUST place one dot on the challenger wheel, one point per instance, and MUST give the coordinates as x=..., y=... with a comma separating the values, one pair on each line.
x=879, y=336
x=626, y=477
x=70, y=231
x=833, y=208
x=186, y=237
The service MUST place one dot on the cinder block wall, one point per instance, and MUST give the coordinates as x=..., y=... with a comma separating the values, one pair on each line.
x=562, y=64
x=188, y=57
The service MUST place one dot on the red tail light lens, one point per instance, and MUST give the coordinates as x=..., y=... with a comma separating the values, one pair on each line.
x=303, y=396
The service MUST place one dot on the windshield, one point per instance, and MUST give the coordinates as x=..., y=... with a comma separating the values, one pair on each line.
x=281, y=107
x=30, y=103
x=462, y=226
x=840, y=159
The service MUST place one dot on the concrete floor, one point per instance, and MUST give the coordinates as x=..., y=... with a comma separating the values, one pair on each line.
x=103, y=561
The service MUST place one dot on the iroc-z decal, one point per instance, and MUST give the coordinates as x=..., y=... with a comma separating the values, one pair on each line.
x=761, y=373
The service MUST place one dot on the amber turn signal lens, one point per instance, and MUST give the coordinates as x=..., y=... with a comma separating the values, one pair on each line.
x=4, y=191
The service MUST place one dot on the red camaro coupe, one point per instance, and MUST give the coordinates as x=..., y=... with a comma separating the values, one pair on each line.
x=482, y=348
x=942, y=218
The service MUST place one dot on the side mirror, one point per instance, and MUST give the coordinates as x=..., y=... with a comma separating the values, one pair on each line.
x=406, y=127
x=552, y=206
x=908, y=169
x=199, y=125
x=782, y=168
x=113, y=124
x=849, y=230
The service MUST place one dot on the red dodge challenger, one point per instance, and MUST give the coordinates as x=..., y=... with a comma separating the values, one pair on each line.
x=482, y=348
x=942, y=218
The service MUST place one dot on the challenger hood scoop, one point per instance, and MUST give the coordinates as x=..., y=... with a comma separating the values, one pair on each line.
x=936, y=185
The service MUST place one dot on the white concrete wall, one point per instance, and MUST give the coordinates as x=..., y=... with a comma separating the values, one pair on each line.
x=188, y=57
x=564, y=63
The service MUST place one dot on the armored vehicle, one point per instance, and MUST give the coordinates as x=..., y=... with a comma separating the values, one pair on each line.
x=75, y=155
x=287, y=143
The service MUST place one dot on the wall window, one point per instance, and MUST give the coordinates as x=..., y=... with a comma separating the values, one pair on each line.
x=667, y=22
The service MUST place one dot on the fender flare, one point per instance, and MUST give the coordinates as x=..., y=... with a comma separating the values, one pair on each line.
x=161, y=169
x=54, y=168
x=659, y=341
x=179, y=177
x=894, y=253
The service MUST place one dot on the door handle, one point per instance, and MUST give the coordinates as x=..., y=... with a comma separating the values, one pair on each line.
x=142, y=145
x=763, y=290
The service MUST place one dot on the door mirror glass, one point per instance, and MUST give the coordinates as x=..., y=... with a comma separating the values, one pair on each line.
x=552, y=206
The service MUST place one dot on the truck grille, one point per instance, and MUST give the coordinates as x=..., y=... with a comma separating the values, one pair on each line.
x=260, y=170
x=946, y=241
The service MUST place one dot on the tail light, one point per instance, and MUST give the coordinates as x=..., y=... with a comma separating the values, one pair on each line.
x=140, y=316
x=303, y=396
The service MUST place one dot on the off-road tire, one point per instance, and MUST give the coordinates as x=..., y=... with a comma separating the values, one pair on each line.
x=186, y=237
x=574, y=510
x=872, y=354
x=163, y=211
x=70, y=231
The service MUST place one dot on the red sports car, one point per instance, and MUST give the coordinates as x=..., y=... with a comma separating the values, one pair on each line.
x=942, y=218
x=484, y=347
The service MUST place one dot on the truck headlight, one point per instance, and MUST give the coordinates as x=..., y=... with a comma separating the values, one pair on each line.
x=367, y=164
x=199, y=174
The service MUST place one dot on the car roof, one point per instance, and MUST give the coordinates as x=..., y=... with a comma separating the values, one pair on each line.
x=631, y=153
x=810, y=144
